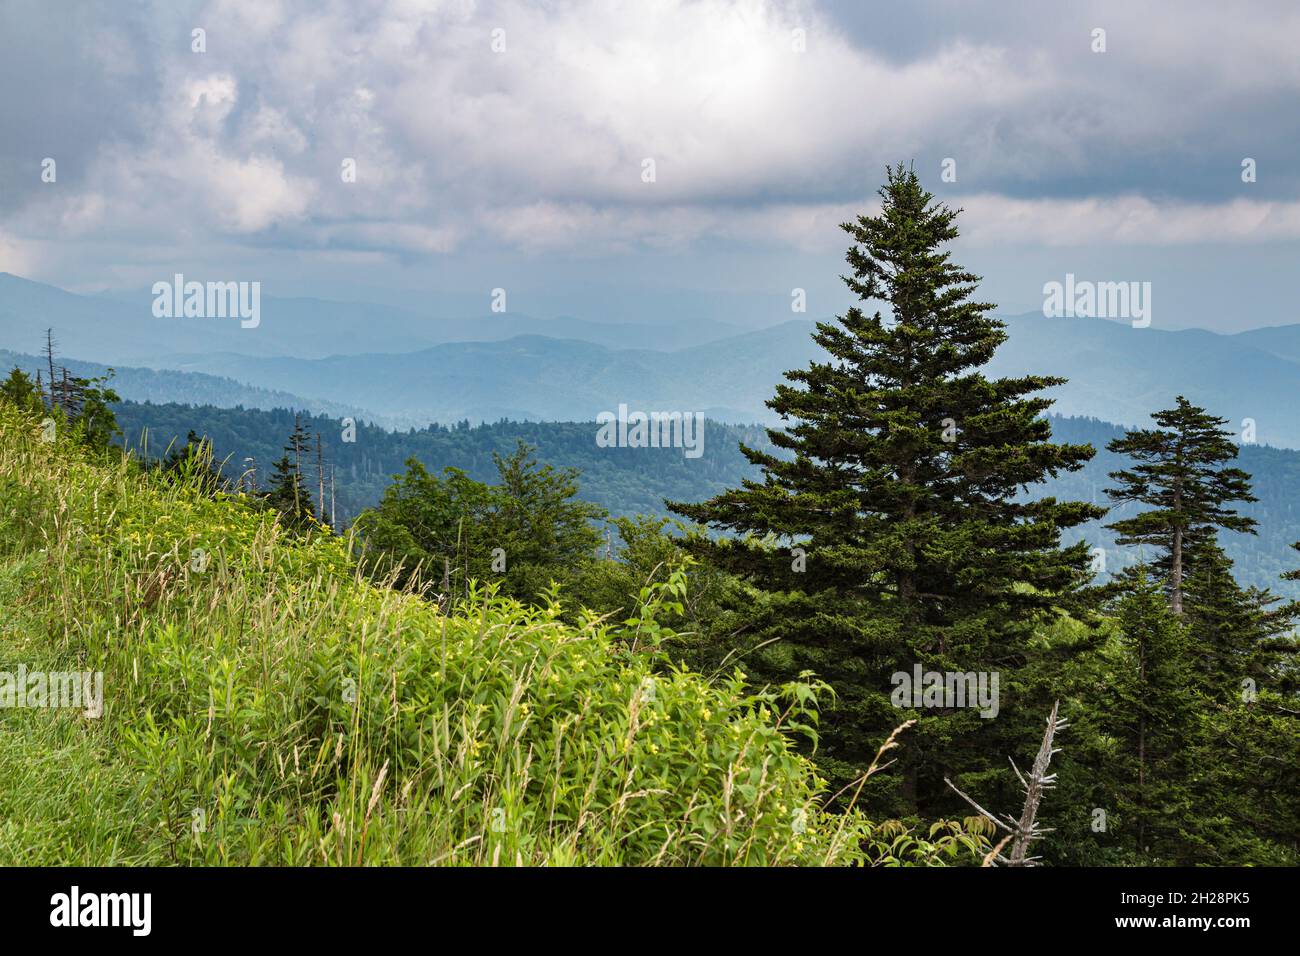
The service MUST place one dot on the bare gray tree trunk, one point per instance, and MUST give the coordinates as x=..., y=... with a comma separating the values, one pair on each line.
x=1024, y=831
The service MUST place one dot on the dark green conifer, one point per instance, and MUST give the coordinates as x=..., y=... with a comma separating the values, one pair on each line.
x=1180, y=476
x=899, y=477
x=286, y=492
x=1151, y=709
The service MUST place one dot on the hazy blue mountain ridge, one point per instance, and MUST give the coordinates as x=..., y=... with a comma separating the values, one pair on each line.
x=402, y=368
x=123, y=330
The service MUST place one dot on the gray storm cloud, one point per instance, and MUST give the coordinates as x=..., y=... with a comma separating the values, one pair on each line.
x=512, y=127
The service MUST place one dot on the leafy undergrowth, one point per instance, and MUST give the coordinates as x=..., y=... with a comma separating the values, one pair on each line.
x=265, y=705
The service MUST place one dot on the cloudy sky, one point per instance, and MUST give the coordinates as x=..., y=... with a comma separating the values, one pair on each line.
x=504, y=144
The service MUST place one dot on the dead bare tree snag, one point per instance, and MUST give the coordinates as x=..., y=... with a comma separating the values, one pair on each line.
x=1022, y=832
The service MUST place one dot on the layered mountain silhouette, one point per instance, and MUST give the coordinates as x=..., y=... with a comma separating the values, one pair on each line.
x=403, y=368
x=122, y=329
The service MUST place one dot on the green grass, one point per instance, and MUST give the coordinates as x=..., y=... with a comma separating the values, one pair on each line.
x=270, y=706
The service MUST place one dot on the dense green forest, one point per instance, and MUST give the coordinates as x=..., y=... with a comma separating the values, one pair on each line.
x=909, y=565
x=621, y=480
x=626, y=483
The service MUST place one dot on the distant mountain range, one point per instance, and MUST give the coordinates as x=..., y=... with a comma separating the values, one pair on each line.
x=119, y=330
x=191, y=388
x=1116, y=373
x=1121, y=374
x=399, y=368
x=533, y=377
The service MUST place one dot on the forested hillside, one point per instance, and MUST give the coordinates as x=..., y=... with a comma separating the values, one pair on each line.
x=627, y=483
x=622, y=480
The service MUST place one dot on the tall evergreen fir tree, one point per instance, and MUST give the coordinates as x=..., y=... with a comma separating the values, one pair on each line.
x=1238, y=633
x=1251, y=751
x=1181, y=474
x=286, y=492
x=1244, y=747
x=1150, y=711
x=19, y=389
x=1218, y=713
x=1285, y=649
x=544, y=531
x=890, y=532
x=1248, y=775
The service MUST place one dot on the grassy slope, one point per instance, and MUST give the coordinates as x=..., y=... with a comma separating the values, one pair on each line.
x=272, y=708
